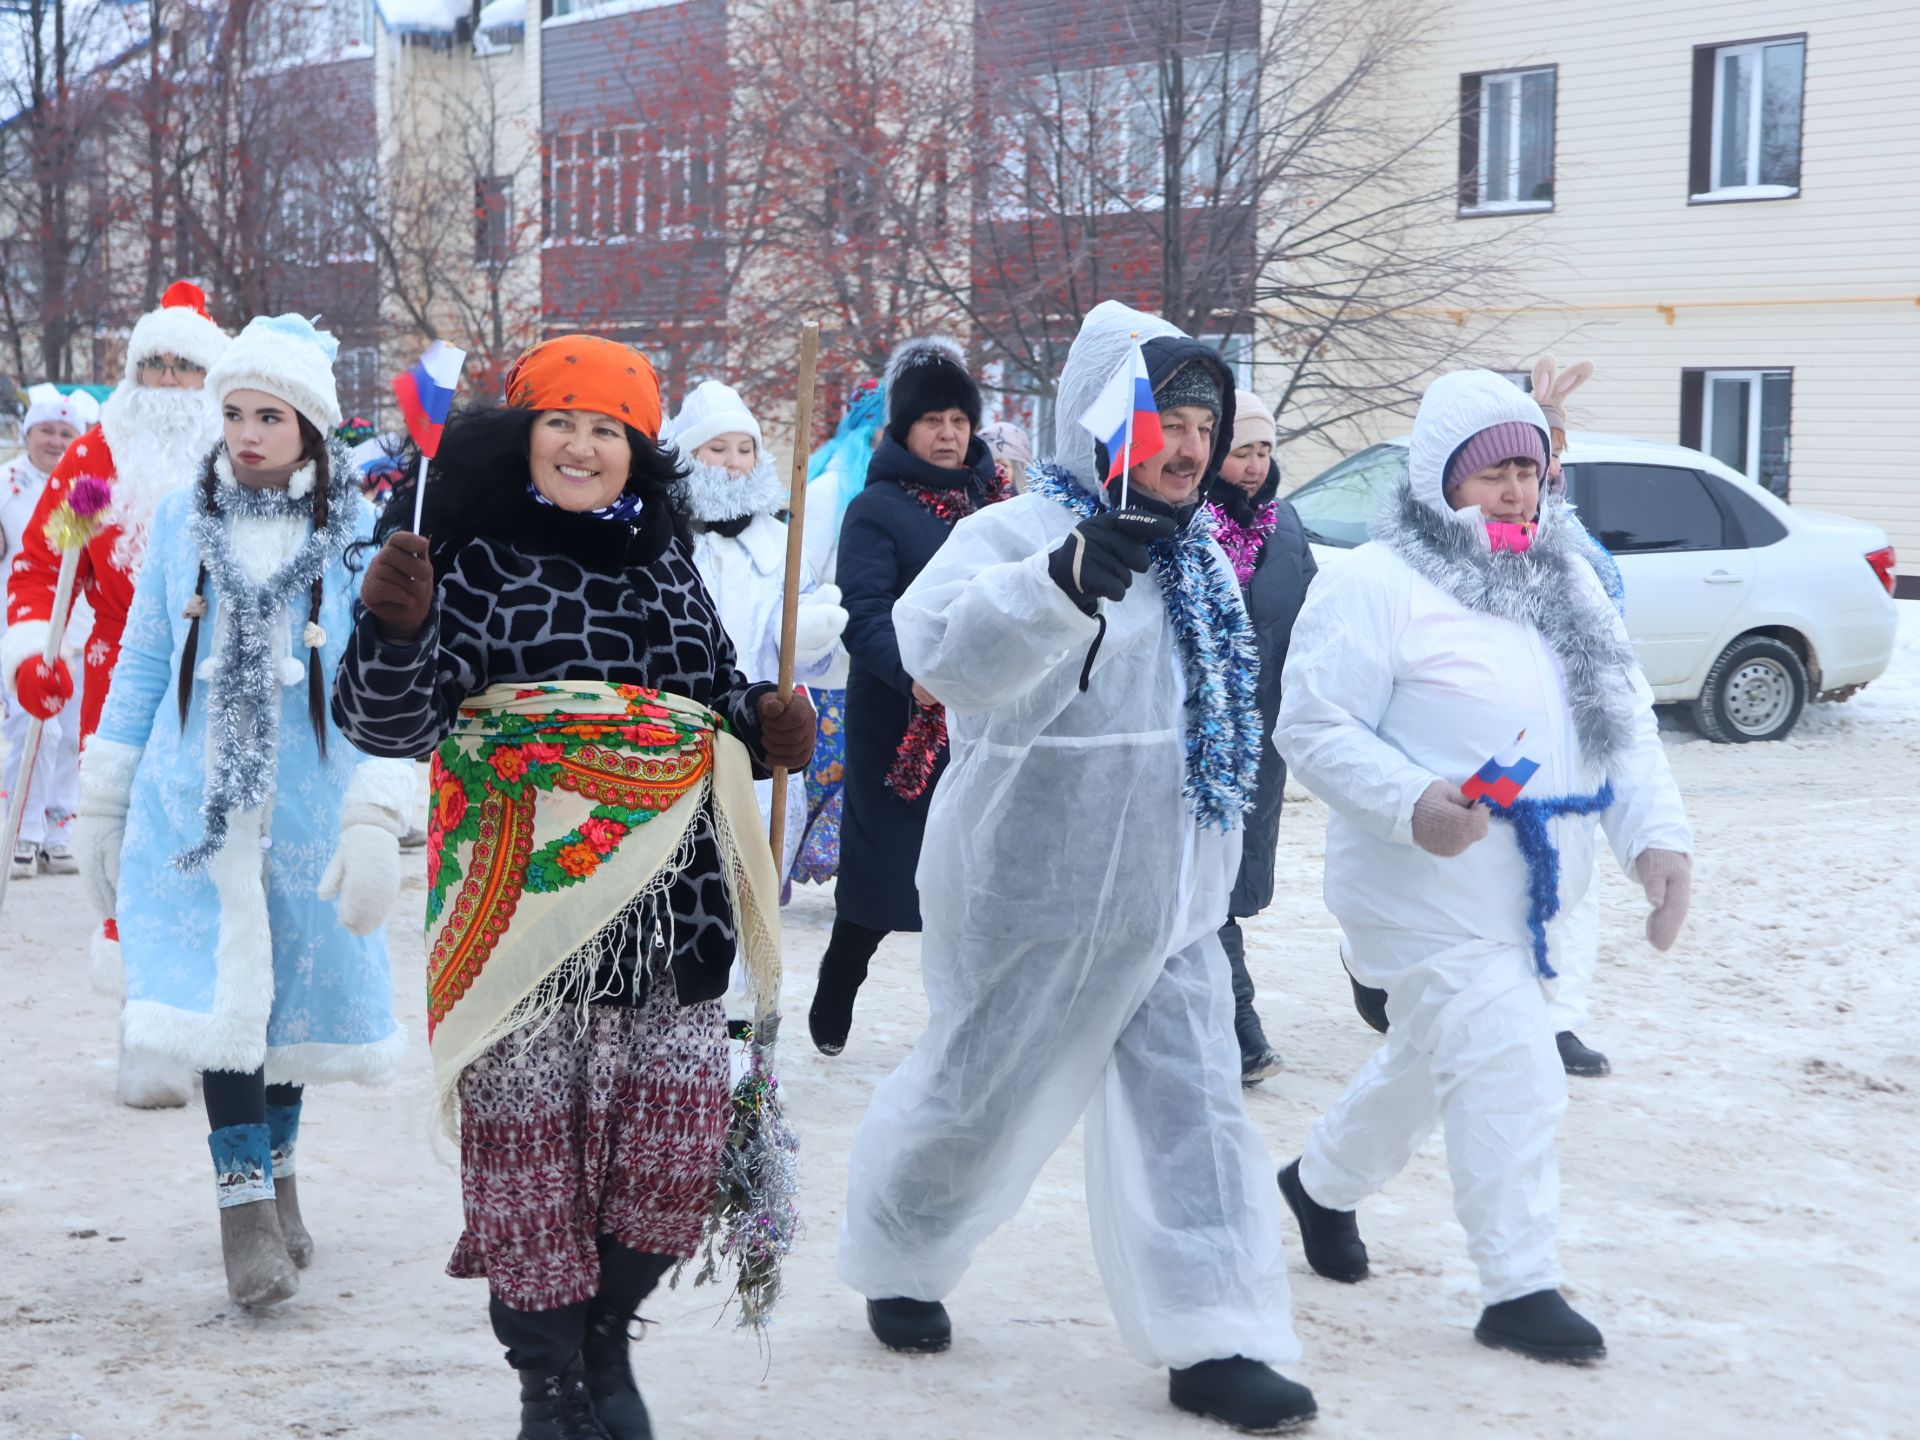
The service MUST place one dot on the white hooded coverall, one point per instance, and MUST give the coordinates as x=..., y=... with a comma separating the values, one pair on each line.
x=1390, y=684
x=1069, y=953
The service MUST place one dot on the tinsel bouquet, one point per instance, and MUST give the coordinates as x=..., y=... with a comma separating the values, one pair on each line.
x=756, y=1215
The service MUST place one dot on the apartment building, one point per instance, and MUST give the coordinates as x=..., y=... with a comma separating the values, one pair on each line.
x=1721, y=200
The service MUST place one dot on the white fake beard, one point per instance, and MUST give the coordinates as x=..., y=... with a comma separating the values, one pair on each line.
x=159, y=439
x=715, y=494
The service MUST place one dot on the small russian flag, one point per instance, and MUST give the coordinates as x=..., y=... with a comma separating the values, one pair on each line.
x=1500, y=781
x=1124, y=417
x=425, y=393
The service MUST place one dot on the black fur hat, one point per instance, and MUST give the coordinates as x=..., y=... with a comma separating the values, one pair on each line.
x=927, y=374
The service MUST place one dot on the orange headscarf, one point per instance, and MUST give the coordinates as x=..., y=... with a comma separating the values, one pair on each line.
x=586, y=372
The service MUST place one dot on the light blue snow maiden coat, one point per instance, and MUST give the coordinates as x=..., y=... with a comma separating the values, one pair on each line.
x=232, y=958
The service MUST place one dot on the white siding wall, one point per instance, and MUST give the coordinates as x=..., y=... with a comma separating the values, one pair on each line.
x=1623, y=234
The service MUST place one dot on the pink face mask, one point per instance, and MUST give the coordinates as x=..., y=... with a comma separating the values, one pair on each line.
x=1505, y=535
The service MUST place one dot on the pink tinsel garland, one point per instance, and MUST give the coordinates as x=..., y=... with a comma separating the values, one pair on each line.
x=1243, y=543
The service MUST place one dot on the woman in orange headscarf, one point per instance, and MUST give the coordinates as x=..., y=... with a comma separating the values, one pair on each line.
x=592, y=866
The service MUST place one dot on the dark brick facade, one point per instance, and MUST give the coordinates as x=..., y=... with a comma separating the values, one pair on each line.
x=633, y=145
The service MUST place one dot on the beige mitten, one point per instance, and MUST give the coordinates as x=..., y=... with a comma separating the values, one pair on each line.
x=1446, y=822
x=1667, y=877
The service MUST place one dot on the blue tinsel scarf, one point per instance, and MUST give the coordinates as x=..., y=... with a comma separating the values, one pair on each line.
x=1530, y=819
x=1217, y=654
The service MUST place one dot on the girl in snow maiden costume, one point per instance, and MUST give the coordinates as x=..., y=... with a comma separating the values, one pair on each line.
x=594, y=861
x=1474, y=614
x=249, y=852
x=733, y=494
x=1098, y=671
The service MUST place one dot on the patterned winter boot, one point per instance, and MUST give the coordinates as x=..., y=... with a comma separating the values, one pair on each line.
x=259, y=1270
x=283, y=1128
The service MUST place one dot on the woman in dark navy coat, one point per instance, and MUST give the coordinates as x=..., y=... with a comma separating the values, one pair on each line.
x=929, y=471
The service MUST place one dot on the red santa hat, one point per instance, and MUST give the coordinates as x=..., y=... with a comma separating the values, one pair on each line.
x=180, y=327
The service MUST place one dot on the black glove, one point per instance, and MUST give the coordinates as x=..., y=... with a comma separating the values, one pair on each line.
x=1099, y=559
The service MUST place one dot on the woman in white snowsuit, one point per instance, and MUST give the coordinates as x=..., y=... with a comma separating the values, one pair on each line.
x=1414, y=661
x=733, y=496
x=1076, y=867
x=248, y=851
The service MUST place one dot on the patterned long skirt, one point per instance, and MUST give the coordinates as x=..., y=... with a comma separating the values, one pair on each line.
x=569, y=1135
x=819, y=857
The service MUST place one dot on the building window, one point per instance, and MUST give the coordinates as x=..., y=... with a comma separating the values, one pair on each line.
x=493, y=221
x=625, y=182
x=1094, y=141
x=1506, y=141
x=1746, y=119
x=1743, y=418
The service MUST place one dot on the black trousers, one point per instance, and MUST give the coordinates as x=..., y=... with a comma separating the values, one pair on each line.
x=549, y=1339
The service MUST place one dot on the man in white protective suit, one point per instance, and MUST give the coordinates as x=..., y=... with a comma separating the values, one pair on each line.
x=1078, y=859
x=1473, y=615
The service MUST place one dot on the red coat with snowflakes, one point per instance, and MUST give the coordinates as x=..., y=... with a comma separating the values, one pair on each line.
x=36, y=573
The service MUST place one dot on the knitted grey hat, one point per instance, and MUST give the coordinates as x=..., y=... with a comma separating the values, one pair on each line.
x=1191, y=384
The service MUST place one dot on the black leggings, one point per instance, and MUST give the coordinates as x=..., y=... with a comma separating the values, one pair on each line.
x=234, y=1098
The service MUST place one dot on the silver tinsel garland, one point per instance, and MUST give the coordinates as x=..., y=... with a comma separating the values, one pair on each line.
x=243, y=703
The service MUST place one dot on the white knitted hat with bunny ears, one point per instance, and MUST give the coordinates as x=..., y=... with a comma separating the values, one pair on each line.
x=1551, y=387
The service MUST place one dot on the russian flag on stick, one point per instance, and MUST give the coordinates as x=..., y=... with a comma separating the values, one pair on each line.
x=425, y=393
x=1500, y=781
x=1125, y=419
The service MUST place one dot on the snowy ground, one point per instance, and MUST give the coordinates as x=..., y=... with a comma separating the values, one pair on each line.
x=1739, y=1209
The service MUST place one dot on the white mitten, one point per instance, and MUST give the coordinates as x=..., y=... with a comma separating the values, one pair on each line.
x=106, y=786
x=363, y=879
x=817, y=629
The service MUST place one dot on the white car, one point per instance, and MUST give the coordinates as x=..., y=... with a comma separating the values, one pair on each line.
x=1740, y=605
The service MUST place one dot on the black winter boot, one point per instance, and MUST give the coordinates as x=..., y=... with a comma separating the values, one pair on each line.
x=555, y=1405
x=1542, y=1326
x=913, y=1327
x=627, y=1277
x=1244, y=1393
x=1258, y=1059
x=843, y=970
x=1330, y=1238
x=1579, y=1059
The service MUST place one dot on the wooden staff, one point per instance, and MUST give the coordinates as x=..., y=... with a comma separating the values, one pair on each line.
x=30, y=746
x=790, y=601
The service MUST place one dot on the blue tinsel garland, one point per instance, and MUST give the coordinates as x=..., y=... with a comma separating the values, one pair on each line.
x=1530, y=819
x=1217, y=652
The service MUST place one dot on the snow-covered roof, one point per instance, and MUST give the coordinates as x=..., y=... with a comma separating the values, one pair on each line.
x=503, y=15
x=101, y=34
x=420, y=17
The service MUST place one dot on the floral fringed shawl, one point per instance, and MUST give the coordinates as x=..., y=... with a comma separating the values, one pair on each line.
x=558, y=811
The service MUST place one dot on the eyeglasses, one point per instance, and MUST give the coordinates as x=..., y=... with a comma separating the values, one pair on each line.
x=166, y=365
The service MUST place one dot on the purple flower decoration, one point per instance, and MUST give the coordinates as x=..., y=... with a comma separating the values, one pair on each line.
x=89, y=496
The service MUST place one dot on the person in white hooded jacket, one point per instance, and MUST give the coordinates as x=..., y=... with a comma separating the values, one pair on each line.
x=1077, y=861
x=733, y=496
x=1474, y=615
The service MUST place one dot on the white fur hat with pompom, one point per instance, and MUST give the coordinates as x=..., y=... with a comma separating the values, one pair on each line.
x=285, y=356
x=712, y=409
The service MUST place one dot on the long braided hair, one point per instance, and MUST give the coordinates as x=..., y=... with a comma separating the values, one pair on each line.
x=313, y=450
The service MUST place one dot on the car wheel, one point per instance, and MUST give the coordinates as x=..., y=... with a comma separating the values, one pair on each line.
x=1755, y=691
